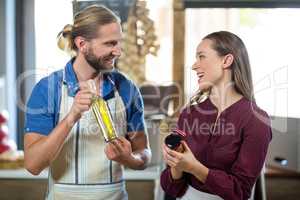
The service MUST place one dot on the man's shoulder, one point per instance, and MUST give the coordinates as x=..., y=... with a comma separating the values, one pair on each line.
x=52, y=79
x=121, y=79
x=48, y=85
x=119, y=76
x=126, y=87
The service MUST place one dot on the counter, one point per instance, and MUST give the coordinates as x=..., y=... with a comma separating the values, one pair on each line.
x=150, y=173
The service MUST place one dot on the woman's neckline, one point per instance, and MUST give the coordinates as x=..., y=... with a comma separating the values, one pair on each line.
x=228, y=108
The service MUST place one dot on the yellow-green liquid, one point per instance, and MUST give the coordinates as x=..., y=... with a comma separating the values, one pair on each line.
x=103, y=118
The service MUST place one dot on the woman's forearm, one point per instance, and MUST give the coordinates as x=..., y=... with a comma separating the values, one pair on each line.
x=176, y=174
x=199, y=171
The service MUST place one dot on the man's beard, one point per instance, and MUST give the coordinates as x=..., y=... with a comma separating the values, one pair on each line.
x=98, y=64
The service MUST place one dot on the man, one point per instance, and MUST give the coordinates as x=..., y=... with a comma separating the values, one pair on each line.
x=61, y=130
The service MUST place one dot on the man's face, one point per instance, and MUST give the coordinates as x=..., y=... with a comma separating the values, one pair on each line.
x=102, y=51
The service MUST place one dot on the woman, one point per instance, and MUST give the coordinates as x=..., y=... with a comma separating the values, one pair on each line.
x=227, y=133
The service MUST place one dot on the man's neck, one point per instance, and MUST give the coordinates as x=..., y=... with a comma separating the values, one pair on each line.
x=83, y=70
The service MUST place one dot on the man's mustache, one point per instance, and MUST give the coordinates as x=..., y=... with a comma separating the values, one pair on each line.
x=108, y=57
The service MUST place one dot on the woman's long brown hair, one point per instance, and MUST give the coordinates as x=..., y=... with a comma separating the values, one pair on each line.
x=224, y=43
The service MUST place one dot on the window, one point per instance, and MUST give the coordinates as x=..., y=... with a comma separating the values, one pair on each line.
x=50, y=18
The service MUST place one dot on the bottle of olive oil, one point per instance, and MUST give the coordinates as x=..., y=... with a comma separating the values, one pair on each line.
x=102, y=114
x=103, y=118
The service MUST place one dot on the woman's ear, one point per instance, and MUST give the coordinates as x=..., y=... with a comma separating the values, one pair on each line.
x=80, y=43
x=228, y=60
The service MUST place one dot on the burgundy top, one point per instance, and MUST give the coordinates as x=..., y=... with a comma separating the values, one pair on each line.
x=234, y=149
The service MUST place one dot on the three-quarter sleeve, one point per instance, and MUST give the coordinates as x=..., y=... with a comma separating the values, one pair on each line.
x=236, y=184
x=175, y=188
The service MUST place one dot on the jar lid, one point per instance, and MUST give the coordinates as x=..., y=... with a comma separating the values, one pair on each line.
x=173, y=141
x=179, y=132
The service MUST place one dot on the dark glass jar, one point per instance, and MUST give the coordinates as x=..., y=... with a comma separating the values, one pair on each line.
x=173, y=141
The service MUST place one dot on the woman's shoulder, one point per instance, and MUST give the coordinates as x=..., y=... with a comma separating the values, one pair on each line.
x=253, y=109
x=255, y=116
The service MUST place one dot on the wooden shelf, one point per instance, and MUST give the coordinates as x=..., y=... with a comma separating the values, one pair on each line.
x=272, y=171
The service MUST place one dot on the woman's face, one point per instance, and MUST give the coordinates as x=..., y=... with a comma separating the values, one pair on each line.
x=208, y=65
